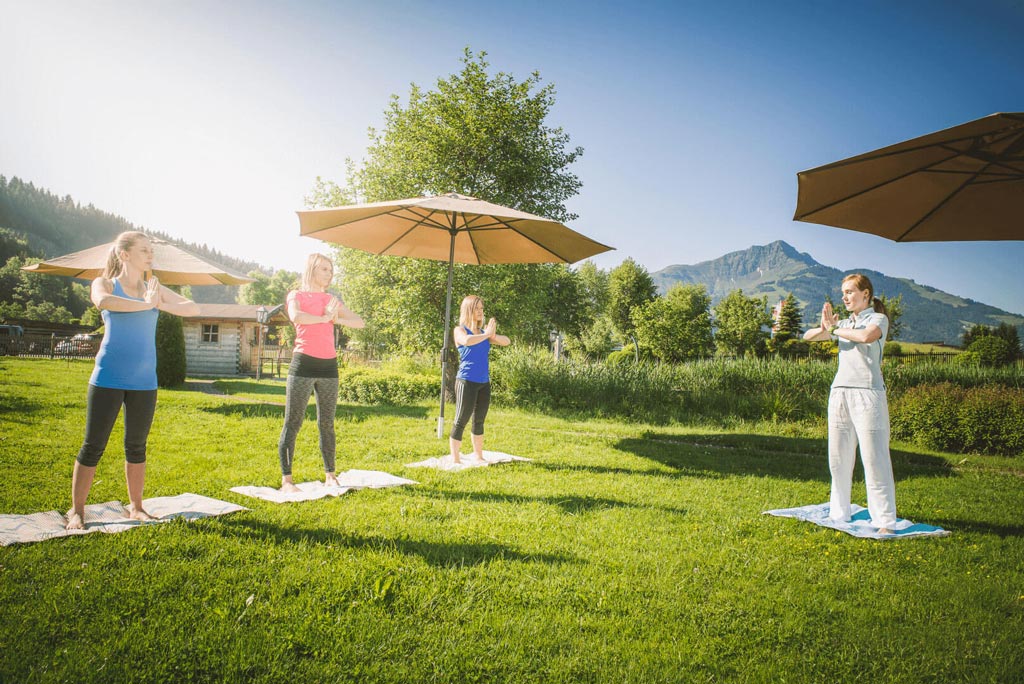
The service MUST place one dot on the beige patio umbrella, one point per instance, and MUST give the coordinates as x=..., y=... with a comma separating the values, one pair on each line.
x=963, y=183
x=171, y=264
x=452, y=228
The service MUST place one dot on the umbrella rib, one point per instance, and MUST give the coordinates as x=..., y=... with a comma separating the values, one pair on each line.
x=1008, y=131
x=869, y=189
x=530, y=239
x=938, y=206
x=401, y=237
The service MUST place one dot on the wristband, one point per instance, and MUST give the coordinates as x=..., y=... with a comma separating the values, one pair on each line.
x=832, y=329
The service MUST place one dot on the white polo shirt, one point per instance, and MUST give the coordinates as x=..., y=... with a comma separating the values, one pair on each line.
x=860, y=364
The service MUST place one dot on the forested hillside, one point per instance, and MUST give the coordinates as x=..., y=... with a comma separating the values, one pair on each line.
x=36, y=223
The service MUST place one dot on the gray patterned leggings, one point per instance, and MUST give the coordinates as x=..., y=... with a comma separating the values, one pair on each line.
x=296, y=399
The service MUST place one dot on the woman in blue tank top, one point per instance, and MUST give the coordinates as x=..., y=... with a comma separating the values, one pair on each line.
x=473, y=382
x=125, y=372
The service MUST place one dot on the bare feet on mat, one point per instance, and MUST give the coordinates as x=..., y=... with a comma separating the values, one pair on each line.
x=478, y=458
x=75, y=521
x=287, y=486
x=331, y=481
x=884, y=530
x=139, y=514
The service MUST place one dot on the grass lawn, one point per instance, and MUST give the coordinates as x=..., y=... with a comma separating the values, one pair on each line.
x=623, y=553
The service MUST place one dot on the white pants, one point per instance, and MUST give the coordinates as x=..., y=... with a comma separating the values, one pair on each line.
x=860, y=416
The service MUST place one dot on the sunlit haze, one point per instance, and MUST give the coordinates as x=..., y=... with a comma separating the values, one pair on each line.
x=210, y=121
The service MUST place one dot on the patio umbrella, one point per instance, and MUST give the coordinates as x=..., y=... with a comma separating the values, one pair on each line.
x=172, y=265
x=963, y=183
x=452, y=228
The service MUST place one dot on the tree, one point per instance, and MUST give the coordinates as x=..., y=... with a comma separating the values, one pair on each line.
x=740, y=322
x=479, y=135
x=268, y=290
x=170, y=351
x=894, y=309
x=629, y=286
x=788, y=325
x=676, y=327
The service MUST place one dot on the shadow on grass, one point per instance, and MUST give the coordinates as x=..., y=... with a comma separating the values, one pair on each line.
x=1001, y=531
x=17, y=409
x=249, y=387
x=438, y=554
x=345, y=412
x=570, y=505
x=794, y=458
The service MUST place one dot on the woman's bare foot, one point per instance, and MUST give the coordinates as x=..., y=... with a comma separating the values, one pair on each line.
x=138, y=513
x=884, y=530
x=75, y=521
x=479, y=458
x=331, y=480
x=287, y=486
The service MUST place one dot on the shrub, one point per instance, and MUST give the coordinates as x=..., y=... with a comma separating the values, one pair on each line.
x=170, y=351
x=624, y=356
x=993, y=351
x=791, y=349
x=365, y=385
x=987, y=419
x=893, y=349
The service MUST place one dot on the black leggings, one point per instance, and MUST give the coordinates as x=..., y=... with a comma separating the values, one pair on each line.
x=102, y=406
x=471, y=398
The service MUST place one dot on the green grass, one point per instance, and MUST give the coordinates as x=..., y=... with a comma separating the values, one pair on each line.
x=623, y=553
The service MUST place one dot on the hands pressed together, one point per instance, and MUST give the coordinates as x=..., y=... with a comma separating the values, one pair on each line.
x=829, y=317
x=152, y=295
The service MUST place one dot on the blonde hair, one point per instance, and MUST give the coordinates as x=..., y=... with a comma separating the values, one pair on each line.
x=122, y=243
x=467, y=312
x=862, y=283
x=312, y=263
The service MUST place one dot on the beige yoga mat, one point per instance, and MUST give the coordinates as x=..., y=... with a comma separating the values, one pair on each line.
x=109, y=517
x=468, y=461
x=309, y=491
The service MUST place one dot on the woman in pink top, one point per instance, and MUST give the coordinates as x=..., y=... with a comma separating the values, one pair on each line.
x=314, y=312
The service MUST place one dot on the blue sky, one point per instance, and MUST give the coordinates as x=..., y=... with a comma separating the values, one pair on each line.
x=211, y=120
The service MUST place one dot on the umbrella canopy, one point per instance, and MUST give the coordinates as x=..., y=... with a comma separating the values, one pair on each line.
x=452, y=228
x=172, y=265
x=449, y=227
x=963, y=183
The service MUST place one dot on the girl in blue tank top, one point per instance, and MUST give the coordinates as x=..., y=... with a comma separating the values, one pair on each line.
x=473, y=381
x=125, y=371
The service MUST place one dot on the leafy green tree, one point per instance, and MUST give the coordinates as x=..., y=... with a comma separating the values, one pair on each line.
x=741, y=321
x=992, y=350
x=480, y=135
x=629, y=286
x=676, y=327
x=268, y=290
x=39, y=297
x=894, y=311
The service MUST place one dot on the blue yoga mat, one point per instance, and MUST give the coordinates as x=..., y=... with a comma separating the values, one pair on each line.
x=859, y=524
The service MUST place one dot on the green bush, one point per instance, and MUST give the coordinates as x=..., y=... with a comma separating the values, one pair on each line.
x=170, y=351
x=993, y=351
x=624, y=356
x=988, y=420
x=364, y=385
x=893, y=349
x=792, y=349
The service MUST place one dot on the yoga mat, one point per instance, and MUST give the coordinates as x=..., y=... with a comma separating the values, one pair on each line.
x=468, y=461
x=859, y=524
x=110, y=517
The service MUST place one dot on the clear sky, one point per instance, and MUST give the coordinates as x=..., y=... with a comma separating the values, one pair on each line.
x=211, y=120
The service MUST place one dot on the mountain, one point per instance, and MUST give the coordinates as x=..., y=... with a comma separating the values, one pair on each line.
x=51, y=226
x=774, y=270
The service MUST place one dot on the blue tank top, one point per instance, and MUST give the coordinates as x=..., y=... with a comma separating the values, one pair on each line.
x=473, y=361
x=127, y=355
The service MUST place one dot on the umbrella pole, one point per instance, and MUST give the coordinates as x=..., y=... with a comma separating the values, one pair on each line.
x=447, y=325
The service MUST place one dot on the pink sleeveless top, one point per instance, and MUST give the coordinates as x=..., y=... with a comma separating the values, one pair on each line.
x=313, y=339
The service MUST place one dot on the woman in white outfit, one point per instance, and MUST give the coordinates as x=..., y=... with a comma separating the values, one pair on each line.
x=858, y=411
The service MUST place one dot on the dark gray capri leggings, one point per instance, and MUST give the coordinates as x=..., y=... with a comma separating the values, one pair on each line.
x=471, y=398
x=102, y=406
x=298, y=389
